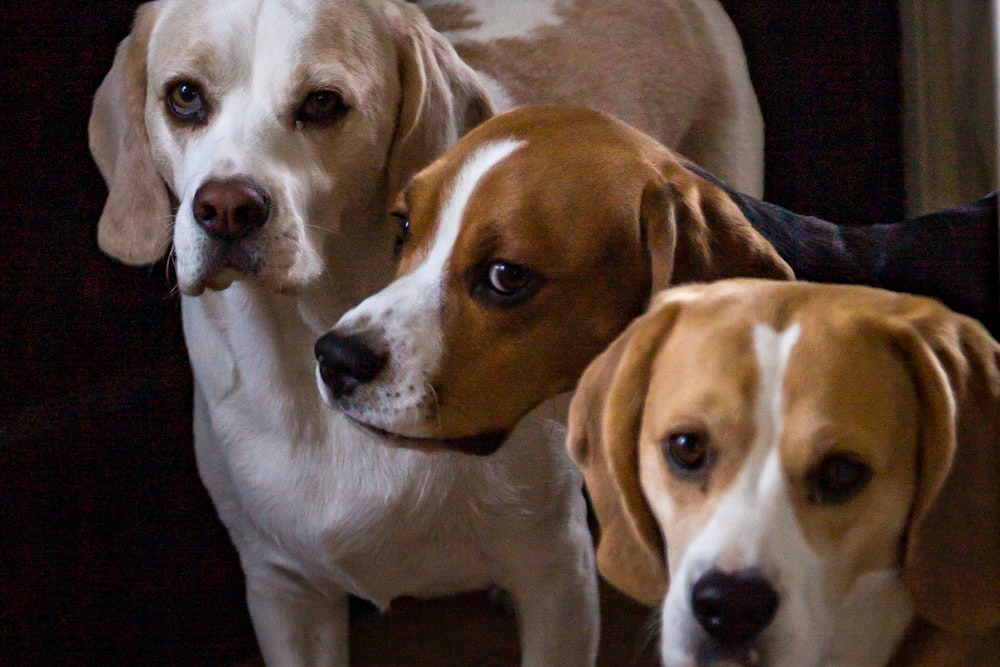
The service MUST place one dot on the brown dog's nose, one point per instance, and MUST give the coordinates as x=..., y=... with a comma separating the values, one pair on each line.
x=230, y=209
x=346, y=362
x=733, y=607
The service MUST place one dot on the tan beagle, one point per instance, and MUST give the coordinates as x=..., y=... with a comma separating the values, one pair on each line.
x=523, y=252
x=801, y=474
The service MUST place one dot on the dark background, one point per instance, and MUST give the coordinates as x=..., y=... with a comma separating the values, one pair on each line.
x=110, y=551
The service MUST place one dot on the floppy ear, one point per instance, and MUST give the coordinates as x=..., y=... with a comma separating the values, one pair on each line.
x=135, y=225
x=442, y=98
x=952, y=560
x=695, y=233
x=604, y=423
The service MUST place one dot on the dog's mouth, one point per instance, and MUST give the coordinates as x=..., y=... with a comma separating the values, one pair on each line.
x=743, y=655
x=482, y=444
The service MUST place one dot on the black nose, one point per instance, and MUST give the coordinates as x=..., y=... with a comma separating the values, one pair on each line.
x=733, y=607
x=230, y=209
x=346, y=362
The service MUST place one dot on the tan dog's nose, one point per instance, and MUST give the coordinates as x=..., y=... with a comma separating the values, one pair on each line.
x=230, y=209
x=733, y=607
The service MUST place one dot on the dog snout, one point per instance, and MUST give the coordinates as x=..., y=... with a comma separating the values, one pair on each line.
x=230, y=209
x=733, y=607
x=346, y=362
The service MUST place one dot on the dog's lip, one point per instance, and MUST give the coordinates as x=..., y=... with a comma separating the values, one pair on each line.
x=482, y=444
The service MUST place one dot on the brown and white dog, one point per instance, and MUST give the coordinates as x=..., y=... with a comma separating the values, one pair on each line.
x=264, y=139
x=523, y=252
x=801, y=474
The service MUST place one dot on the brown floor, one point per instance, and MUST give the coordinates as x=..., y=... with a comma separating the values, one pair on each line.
x=468, y=631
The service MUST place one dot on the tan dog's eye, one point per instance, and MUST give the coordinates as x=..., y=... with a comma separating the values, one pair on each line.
x=687, y=453
x=186, y=102
x=839, y=477
x=322, y=107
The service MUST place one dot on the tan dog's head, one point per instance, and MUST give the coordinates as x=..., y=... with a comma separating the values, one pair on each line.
x=523, y=252
x=793, y=469
x=262, y=136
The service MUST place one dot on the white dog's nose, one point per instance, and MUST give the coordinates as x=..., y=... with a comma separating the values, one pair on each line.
x=733, y=607
x=230, y=209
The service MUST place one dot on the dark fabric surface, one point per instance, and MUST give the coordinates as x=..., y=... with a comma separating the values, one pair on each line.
x=110, y=551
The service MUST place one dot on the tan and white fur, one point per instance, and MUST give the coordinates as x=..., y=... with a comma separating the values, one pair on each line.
x=830, y=453
x=264, y=140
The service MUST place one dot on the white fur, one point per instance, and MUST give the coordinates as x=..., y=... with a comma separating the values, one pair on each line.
x=316, y=507
x=503, y=19
x=407, y=317
x=755, y=527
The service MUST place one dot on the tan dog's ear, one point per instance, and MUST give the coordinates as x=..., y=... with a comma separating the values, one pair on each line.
x=135, y=225
x=442, y=99
x=695, y=233
x=604, y=423
x=952, y=560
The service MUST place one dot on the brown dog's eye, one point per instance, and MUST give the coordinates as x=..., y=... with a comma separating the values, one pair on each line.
x=403, y=234
x=322, y=107
x=687, y=453
x=839, y=477
x=186, y=102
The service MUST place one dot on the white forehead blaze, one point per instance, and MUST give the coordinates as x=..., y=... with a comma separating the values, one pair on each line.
x=502, y=20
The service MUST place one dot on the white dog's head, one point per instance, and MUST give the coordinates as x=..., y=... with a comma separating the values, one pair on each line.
x=261, y=135
x=792, y=470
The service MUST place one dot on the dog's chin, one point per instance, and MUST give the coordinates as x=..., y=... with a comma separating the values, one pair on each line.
x=482, y=444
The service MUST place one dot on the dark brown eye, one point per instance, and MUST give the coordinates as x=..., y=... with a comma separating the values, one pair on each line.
x=839, y=477
x=686, y=453
x=402, y=219
x=322, y=107
x=186, y=102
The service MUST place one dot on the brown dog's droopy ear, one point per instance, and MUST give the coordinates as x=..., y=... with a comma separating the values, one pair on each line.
x=695, y=233
x=135, y=225
x=442, y=98
x=952, y=560
x=604, y=423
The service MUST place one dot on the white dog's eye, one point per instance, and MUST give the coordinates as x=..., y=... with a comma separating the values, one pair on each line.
x=687, y=453
x=839, y=477
x=322, y=107
x=186, y=102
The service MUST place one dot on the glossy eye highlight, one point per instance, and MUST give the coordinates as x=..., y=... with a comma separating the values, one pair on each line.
x=505, y=284
x=837, y=478
x=402, y=219
x=322, y=107
x=686, y=453
x=186, y=102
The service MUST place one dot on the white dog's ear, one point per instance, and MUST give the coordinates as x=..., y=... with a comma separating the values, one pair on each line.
x=604, y=425
x=136, y=222
x=442, y=98
x=952, y=560
x=696, y=233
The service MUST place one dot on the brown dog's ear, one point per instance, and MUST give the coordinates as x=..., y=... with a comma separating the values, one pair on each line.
x=695, y=233
x=442, y=99
x=952, y=560
x=604, y=423
x=135, y=225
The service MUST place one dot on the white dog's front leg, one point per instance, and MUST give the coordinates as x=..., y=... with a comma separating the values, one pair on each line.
x=296, y=628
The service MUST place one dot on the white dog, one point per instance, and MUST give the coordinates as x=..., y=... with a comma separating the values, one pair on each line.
x=265, y=139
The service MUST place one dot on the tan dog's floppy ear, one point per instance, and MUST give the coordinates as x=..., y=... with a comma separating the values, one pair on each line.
x=442, y=99
x=952, y=560
x=135, y=225
x=604, y=421
x=695, y=233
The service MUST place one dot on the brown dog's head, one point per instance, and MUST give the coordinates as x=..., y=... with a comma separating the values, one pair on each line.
x=523, y=252
x=832, y=452
x=265, y=138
